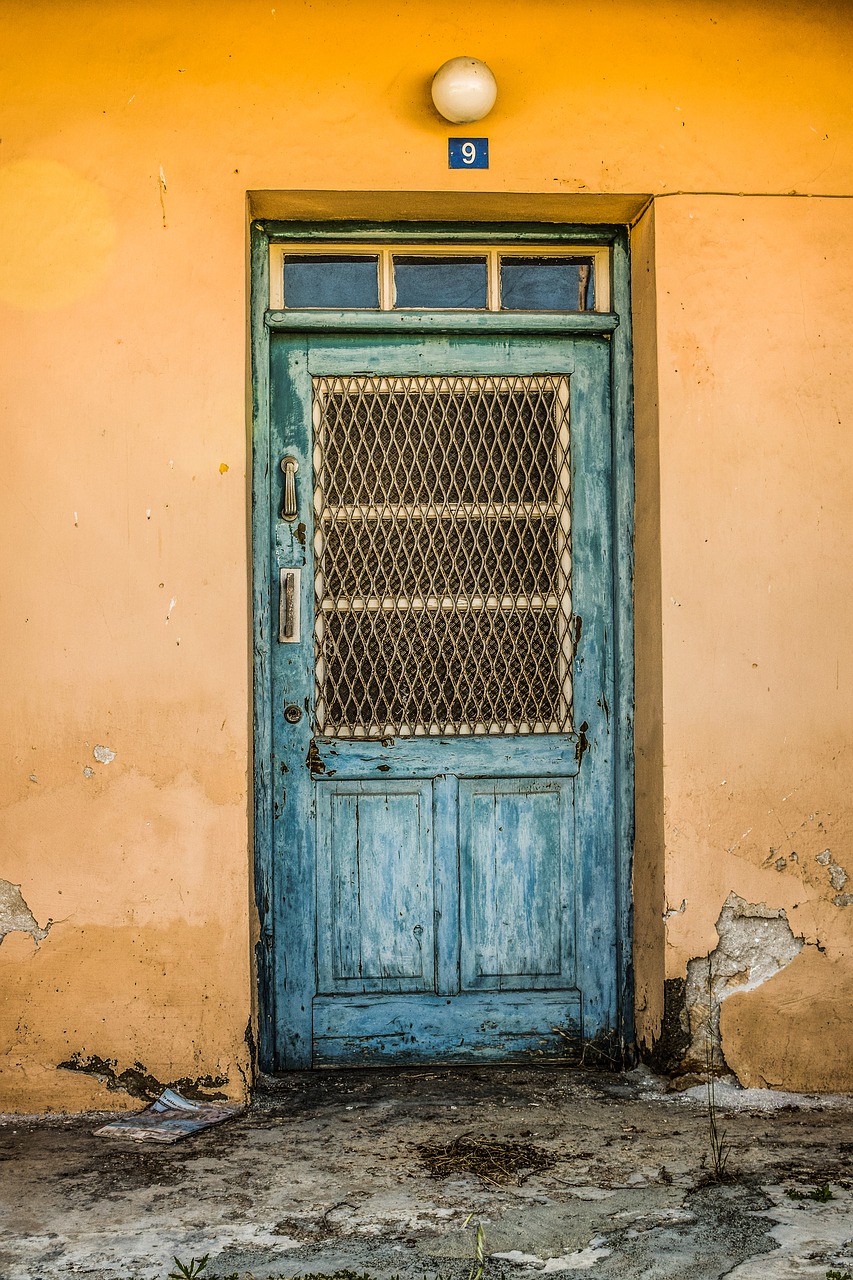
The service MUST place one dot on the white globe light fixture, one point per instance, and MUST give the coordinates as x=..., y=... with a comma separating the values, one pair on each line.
x=463, y=90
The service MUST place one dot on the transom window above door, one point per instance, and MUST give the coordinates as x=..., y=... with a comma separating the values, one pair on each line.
x=439, y=278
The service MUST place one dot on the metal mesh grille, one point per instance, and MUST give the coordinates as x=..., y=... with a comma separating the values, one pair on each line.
x=443, y=555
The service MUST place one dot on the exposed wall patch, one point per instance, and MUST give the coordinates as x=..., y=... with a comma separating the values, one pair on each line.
x=756, y=942
x=837, y=875
x=15, y=915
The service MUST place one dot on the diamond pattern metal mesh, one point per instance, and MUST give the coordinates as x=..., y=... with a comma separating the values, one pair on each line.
x=443, y=555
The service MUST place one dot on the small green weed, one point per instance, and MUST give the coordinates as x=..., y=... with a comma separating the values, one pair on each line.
x=819, y=1194
x=476, y=1272
x=838, y=1275
x=188, y=1270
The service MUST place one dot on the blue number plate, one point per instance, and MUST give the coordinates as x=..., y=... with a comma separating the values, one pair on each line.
x=467, y=153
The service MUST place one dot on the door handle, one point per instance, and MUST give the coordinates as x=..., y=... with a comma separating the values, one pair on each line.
x=288, y=606
x=289, y=509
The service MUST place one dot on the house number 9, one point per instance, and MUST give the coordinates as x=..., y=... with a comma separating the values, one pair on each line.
x=468, y=153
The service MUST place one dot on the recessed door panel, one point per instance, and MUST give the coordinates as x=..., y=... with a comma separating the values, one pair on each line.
x=515, y=841
x=375, y=887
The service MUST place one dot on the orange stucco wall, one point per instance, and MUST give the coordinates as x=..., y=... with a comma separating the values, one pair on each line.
x=131, y=136
x=756, y=388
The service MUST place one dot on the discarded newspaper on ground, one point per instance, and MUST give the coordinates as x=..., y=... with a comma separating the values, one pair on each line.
x=169, y=1119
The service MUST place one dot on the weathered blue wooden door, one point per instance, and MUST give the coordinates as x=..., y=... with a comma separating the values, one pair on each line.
x=442, y=673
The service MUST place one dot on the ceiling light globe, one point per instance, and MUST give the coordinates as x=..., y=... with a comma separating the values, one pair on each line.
x=464, y=90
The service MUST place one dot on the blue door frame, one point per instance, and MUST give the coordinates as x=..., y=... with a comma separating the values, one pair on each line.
x=305, y=786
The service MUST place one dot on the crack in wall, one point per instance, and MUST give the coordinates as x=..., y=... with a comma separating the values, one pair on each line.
x=15, y=915
x=756, y=942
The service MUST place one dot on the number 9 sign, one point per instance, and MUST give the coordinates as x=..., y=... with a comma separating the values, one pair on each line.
x=468, y=153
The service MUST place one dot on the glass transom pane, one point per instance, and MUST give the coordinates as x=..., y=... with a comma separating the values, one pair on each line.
x=331, y=280
x=546, y=284
x=438, y=284
x=443, y=555
x=404, y=277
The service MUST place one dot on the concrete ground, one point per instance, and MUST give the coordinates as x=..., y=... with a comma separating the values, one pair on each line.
x=324, y=1173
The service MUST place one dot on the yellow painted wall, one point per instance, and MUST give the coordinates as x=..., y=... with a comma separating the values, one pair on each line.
x=131, y=134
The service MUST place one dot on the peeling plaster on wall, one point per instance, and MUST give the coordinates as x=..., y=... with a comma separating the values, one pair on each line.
x=15, y=915
x=139, y=1082
x=756, y=942
x=811, y=866
x=104, y=755
x=838, y=877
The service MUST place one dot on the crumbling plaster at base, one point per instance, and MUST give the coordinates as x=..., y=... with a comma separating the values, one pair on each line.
x=15, y=915
x=140, y=1083
x=755, y=943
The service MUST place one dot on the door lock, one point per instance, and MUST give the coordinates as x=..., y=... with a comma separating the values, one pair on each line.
x=292, y=713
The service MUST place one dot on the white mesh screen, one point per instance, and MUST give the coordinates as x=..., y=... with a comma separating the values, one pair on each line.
x=443, y=555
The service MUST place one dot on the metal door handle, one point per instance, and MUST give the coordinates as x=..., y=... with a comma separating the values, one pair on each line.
x=289, y=466
x=288, y=606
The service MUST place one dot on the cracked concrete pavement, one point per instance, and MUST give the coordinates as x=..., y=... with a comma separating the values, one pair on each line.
x=323, y=1173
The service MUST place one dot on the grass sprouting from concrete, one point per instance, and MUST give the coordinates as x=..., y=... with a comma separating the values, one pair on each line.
x=819, y=1194
x=718, y=1142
